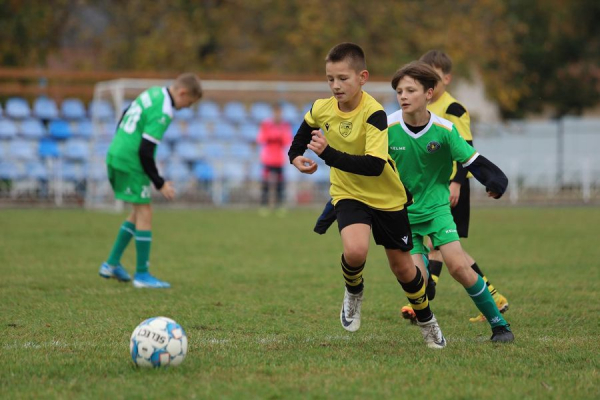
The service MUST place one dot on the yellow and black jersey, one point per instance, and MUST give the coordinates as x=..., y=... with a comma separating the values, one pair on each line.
x=358, y=141
x=449, y=108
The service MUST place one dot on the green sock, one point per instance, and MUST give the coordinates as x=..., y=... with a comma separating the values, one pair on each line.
x=485, y=303
x=123, y=238
x=143, y=241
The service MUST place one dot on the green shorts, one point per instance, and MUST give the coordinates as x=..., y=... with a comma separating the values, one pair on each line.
x=441, y=230
x=130, y=187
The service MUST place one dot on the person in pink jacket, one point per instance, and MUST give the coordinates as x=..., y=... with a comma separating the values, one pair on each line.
x=274, y=136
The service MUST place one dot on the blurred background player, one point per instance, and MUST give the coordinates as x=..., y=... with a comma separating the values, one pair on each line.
x=349, y=132
x=131, y=168
x=423, y=146
x=446, y=106
x=274, y=136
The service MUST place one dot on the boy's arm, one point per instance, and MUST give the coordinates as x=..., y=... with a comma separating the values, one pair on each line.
x=361, y=165
x=461, y=172
x=301, y=141
x=146, y=154
x=486, y=172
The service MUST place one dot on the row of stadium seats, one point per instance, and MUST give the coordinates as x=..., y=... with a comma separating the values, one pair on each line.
x=73, y=109
x=195, y=130
x=175, y=170
x=80, y=150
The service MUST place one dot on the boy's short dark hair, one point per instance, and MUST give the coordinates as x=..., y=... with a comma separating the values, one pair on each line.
x=348, y=52
x=420, y=72
x=191, y=82
x=438, y=59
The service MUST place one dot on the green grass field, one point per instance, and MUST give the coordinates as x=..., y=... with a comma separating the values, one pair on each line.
x=259, y=299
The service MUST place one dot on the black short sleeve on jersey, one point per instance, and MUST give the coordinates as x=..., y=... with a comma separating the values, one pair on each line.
x=456, y=109
x=378, y=119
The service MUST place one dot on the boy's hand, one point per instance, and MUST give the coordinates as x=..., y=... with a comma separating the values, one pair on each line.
x=305, y=165
x=454, y=193
x=318, y=142
x=168, y=191
x=494, y=195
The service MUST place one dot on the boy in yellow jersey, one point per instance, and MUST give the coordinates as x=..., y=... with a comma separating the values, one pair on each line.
x=349, y=132
x=446, y=106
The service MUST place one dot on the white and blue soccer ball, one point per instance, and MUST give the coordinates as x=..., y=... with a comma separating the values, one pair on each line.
x=158, y=342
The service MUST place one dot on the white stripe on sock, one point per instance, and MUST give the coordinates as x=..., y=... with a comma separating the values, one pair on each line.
x=481, y=291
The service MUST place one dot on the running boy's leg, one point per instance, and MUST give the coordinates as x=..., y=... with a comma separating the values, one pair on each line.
x=460, y=270
x=355, y=240
x=112, y=268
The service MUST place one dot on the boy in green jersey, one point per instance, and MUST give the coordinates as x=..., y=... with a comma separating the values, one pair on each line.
x=447, y=107
x=131, y=168
x=424, y=146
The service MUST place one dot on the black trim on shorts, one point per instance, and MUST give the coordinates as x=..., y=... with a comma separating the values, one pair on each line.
x=391, y=229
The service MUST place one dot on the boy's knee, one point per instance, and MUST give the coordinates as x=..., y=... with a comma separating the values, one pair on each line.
x=355, y=257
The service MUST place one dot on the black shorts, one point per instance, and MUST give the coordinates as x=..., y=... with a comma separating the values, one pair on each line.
x=391, y=229
x=462, y=211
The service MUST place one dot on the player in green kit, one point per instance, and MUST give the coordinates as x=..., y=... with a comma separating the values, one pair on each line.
x=424, y=146
x=447, y=107
x=131, y=168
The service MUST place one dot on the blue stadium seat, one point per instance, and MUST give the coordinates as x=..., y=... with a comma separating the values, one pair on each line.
x=249, y=131
x=260, y=111
x=100, y=148
x=8, y=129
x=84, y=129
x=10, y=171
x=101, y=110
x=185, y=114
x=32, y=128
x=17, y=108
x=212, y=150
x=22, y=150
x=48, y=148
x=59, y=129
x=45, y=108
x=240, y=151
x=36, y=170
x=235, y=111
x=173, y=133
x=72, y=108
x=198, y=130
x=225, y=131
x=177, y=171
x=290, y=113
x=97, y=172
x=76, y=150
x=234, y=172
x=203, y=171
x=73, y=172
x=163, y=152
x=187, y=150
x=209, y=110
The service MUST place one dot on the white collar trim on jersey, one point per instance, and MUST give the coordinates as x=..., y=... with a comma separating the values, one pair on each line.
x=423, y=131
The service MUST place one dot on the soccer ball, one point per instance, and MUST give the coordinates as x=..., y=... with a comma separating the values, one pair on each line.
x=158, y=342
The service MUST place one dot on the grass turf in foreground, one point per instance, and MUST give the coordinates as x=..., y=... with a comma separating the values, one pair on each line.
x=260, y=297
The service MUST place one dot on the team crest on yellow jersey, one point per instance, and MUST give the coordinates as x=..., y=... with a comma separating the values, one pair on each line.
x=345, y=128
